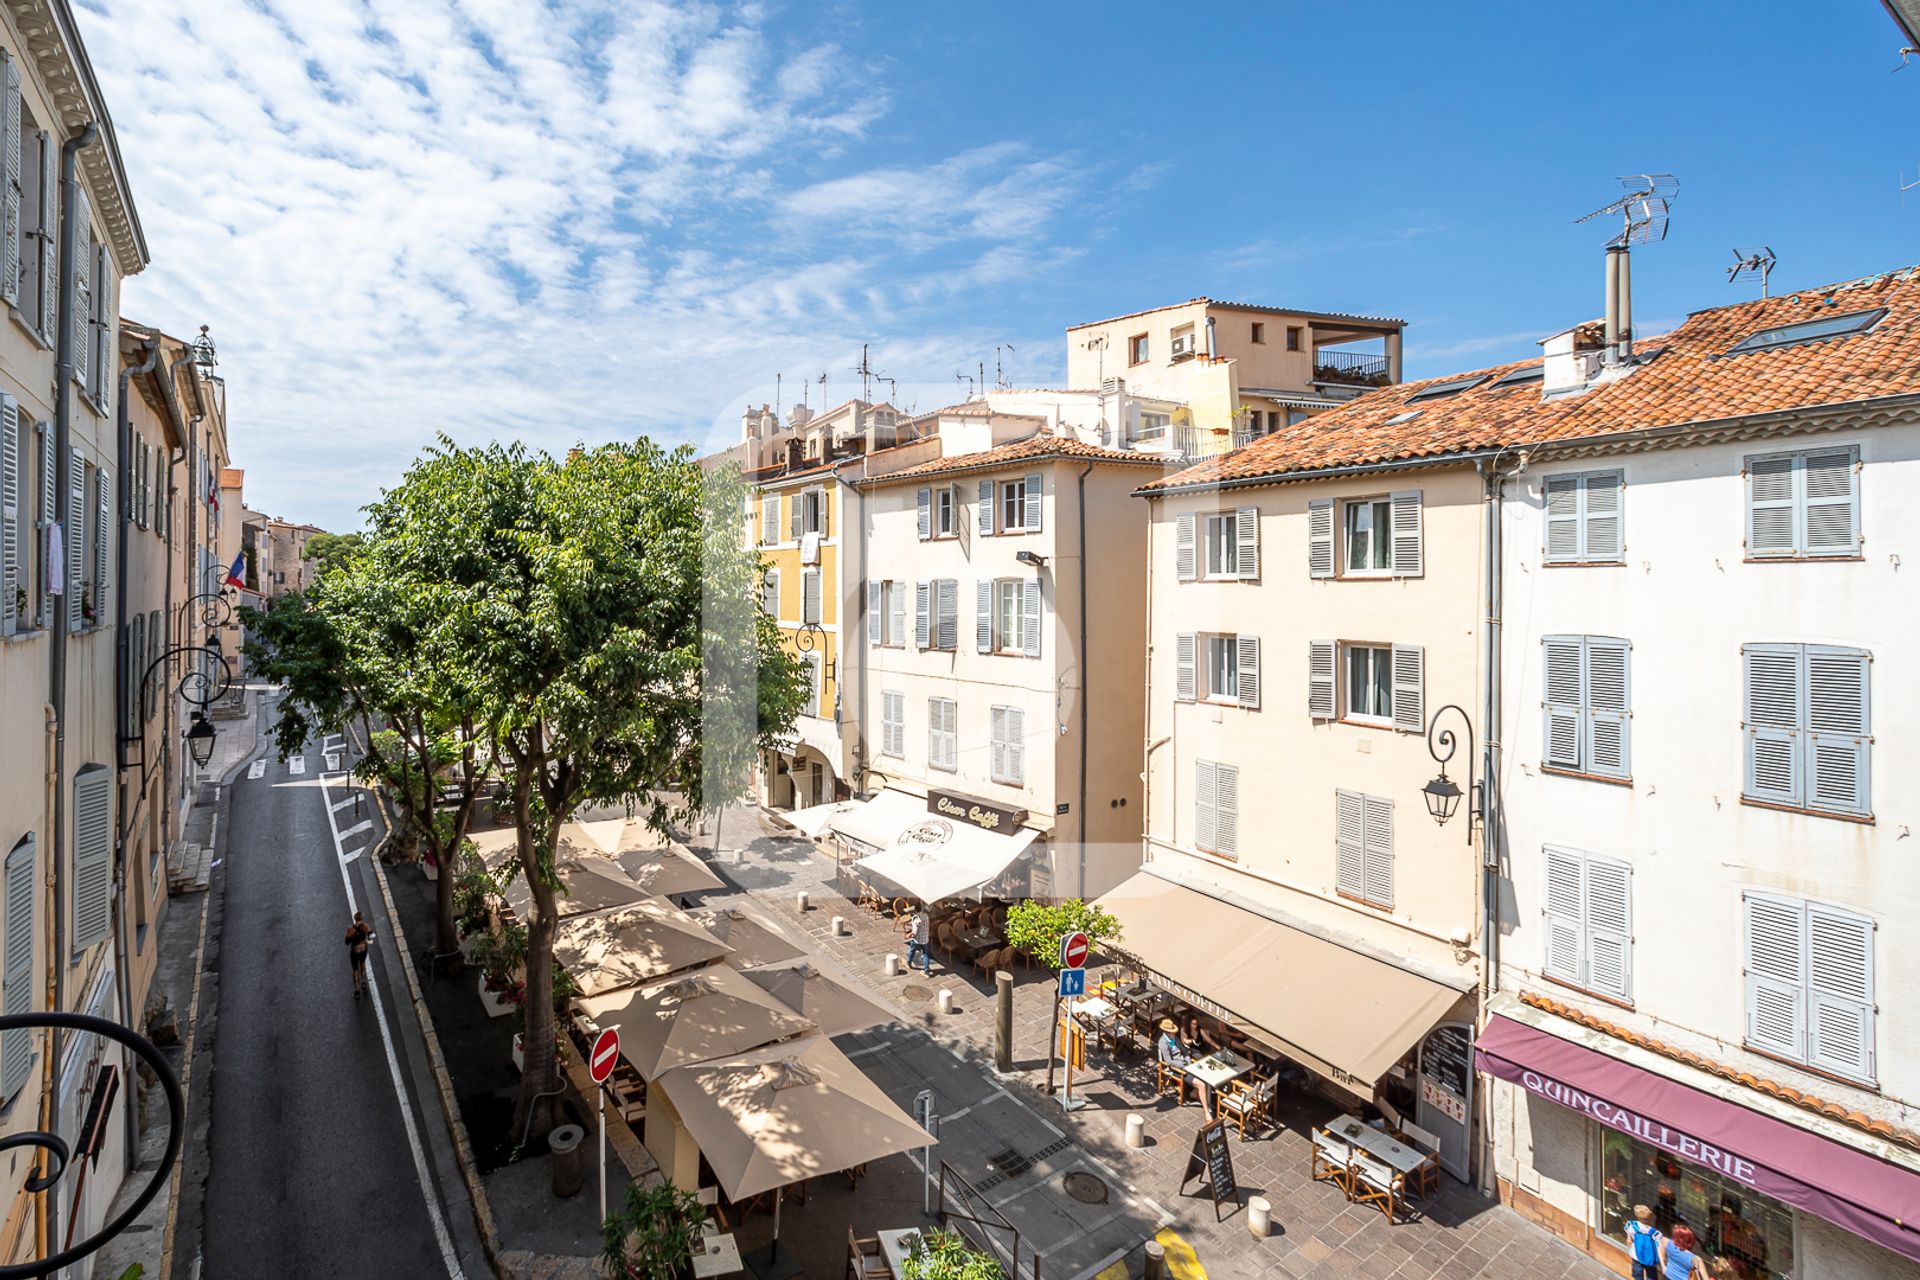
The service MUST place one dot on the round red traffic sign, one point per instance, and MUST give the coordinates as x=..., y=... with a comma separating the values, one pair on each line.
x=1073, y=950
x=605, y=1055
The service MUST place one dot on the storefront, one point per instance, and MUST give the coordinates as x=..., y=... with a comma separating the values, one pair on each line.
x=934, y=847
x=1583, y=1134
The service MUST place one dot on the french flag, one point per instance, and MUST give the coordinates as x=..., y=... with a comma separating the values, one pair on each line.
x=235, y=576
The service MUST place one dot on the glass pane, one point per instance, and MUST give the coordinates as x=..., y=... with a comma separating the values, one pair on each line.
x=1359, y=685
x=1731, y=1221
x=1379, y=547
x=1359, y=534
x=1382, y=682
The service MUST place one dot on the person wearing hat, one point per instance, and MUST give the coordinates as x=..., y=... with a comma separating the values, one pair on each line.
x=1172, y=1050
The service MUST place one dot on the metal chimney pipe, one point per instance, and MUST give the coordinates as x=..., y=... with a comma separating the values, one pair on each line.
x=1625, y=352
x=1611, y=339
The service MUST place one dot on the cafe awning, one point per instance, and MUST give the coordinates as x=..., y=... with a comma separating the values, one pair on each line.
x=813, y=820
x=1347, y=1015
x=929, y=855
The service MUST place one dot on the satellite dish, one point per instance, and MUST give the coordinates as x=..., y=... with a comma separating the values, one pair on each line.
x=1643, y=209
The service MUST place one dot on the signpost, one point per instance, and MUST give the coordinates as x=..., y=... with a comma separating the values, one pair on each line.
x=600, y=1064
x=1073, y=982
x=1212, y=1161
x=923, y=1112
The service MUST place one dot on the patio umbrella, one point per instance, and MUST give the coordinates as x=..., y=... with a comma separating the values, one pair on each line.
x=659, y=864
x=584, y=886
x=692, y=1017
x=755, y=941
x=832, y=1006
x=607, y=950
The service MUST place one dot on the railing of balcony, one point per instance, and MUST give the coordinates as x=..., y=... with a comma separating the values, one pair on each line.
x=1358, y=368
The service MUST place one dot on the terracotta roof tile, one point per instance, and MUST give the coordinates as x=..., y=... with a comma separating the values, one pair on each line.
x=1038, y=448
x=1689, y=377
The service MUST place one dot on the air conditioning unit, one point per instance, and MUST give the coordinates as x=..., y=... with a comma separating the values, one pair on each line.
x=1182, y=346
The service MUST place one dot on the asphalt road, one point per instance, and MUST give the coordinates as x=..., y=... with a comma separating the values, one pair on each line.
x=312, y=1171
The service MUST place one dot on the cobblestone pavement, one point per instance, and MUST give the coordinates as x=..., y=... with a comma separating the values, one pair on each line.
x=1016, y=1147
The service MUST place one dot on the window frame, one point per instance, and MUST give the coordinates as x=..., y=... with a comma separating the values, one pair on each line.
x=1226, y=524
x=1259, y=333
x=1002, y=628
x=1382, y=664
x=1798, y=505
x=1810, y=995
x=1585, y=715
x=1582, y=925
x=1583, y=517
x=945, y=521
x=1005, y=501
x=1294, y=336
x=1802, y=736
x=1010, y=745
x=1222, y=656
x=1379, y=538
x=1869, y=319
x=1139, y=350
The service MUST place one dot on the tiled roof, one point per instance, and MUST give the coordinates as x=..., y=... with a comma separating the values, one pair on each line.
x=1688, y=378
x=1040, y=448
x=1335, y=316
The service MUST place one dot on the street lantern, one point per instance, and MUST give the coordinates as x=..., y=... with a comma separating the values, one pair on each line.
x=1443, y=797
x=200, y=736
x=1443, y=793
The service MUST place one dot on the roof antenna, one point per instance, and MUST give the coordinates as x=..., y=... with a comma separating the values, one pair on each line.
x=823, y=389
x=965, y=380
x=1643, y=211
x=893, y=387
x=999, y=375
x=867, y=374
x=776, y=400
x=1754, y=263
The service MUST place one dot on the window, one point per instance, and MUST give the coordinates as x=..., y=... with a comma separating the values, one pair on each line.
x=809, y=512
x=1293, y=337
x=1009, y=631
x=1583, y=518
x=1803, y=504
x=31, y=201
x=101, y=534
x=1792, y=335
x=943, y=734
x=887, y=614
x=1754, y=1231
x=92, y=902
x=1525, y=373
x=1013, y=506
x=1369, y=549
x=1223, y=547
x=1808, y=730
x=936, y=606
x=1363, y=848
x=1589, y=915
x=1230, y=545
x=1229, y=666
x=1296, y=416
x=1153, y=426
x=1385, y=684
x=1137, y=349
x=1810, y=990
x=1007, y=616
x=770, y=518
x=810, y=595
x=101, y=348
x=770, y=593
x=1370, y=683
x=1383, y=537
x=938, y=511
x=1259, y=332
x=1015, y=503
x=1009, y=746
x=1451, y=387
x=1589, y=707
x=893, y=723
x=1223, y=669
x=1216, y=808
x=16, y=966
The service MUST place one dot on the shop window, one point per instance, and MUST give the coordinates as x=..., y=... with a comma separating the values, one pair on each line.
x=1732, y=1221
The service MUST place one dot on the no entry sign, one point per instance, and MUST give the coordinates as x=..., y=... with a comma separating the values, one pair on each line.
x=605, y=1055
x=1073, y=950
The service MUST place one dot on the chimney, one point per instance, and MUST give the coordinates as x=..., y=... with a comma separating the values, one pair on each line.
x=1570, y=360
x=1617, y=345
x=798, y=415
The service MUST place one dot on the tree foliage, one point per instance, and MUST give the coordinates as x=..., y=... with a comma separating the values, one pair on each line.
x=946, y=1255
x=329, y=551
x=653, y=1233
x=1038, y=927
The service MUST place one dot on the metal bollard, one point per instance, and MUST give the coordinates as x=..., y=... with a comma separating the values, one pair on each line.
x=1156, y=1258
x=1136, y=1132
x=839, y=926
x=891, y=965
x=1259, y=1217
x=946, y=1001
x=800, y=900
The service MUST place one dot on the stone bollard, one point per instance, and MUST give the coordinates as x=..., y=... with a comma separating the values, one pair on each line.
x=839, y=926
x=1003, y=1021
x=1156, y=1260
x=946, y=1001
x=1259, y=1217
x=1136, y=1132
x=800, y=901
x=891, y=965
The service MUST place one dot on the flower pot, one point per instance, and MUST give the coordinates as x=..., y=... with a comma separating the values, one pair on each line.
x=432, y=869
x=520, y=1051
x=466, y=946
x=497, y=1003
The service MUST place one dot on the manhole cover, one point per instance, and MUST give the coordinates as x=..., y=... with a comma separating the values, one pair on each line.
x=914, y=991
x=1085, y=1188
x=1010, y=1162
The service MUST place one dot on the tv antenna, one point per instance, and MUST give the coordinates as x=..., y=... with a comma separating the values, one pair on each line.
x=1643, y=209
x=999, y=375
x=867, y=374
x=1754, y=263
x=966, y=380
x=893, y=387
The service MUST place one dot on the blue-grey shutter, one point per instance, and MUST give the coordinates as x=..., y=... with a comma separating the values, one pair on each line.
x=1350, y=844
x=1776, y=972
x=17, y=968
x=896, y=596
x=1840, y=1004
x=1409, y=556
x=133, y=643
x=1838, y=727
x=1775, y=750
x=1409, y=688
x=1600, y=516
x=1030, y=612
x=1204, y=814
x=1320, y=538
x=76, y=538
x=92, y=856
x=946, y=601
x=1246, y=534
x=1034, y=491
x=983, y=616
x=1609, y=923
x=1609, y=708
x=12, y=566
x=1564, y=908
x=985, y=515
x=770, y=593
x=876, y=605
x=102, y=537
x=1564, y=699
x=924, y=503
x=105, y=348
x=1379, y=838
x=1320, y=691
x=81, y=269
x=810, y=595
x=1563, y=521
x=11, y=232
x=923, y=614
x=1829, y=483
x=1247, y=654
x=1186, y=685
x=1183, y=551
x=770, y=517
x=47, y=222
x=43, y=533
x=1770, y=506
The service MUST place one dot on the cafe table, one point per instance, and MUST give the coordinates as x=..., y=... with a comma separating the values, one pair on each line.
x=1383, y=1147
x=1096, y=1008
x=983, y=938
x=896, y=1245
x=720, y=1256
x=1217, y=1068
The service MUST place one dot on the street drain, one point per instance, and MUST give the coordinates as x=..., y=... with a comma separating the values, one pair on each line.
x=1010, y=1163
x=914, y=991
x=1085, y=1188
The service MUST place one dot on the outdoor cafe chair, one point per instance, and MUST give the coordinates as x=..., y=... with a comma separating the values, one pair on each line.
x=1332, y=1161
x=987, y=961
x=1240, y=1103
x=1423, y=1177
x=1169, y=1078
x=865, y=1259
x=903, y=915
x=1374, y=1183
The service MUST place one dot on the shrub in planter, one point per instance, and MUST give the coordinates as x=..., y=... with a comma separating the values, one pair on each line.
x=945, y=1255
x=653, y=1235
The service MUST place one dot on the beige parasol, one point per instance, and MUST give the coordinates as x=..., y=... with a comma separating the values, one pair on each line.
x=600, y=864
x=755, y=941
x=831, y=1005
x=607, y=950
x=692, y=1017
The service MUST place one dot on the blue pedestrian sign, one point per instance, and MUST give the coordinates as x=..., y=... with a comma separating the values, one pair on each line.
x=1073, y=982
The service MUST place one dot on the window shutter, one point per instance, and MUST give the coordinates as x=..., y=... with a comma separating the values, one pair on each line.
x=1609, y=708
x=1564, y=693
x=1030, y=608
x=1183, y=553
x=11, y=575
x=1832, y=503
x=1205, y=828
x=1610, y=928
x=1408, y=555
x=156, y=644
x=132, y=645
x=81, y=269
x=769, y=517
x=1226, y=809
x=1409, y=688
x=1248, y=657
x=983, y=616
x=103, y=513
x=76, y=537
x=796, y=516
x=1773, y=755
x=923, y=614
x=105, y=349
x=823, y=503
x=49, y=490
x=1186, y=686
x=1565, y=912
x=1034, y=491
x=985, y=514
x=923, y=500
x=946, y=601
x=1837, y=722
x=1320, y=703
x=1600, y=503
x=810, y=595
x=1016, y=735
x=1563, y=518
x=895, y=596
x=892, y=726
x=1840, y=992
x=16, y=971
x=876, y=606
x=46, y=223
x=1770, y=506
x=1776, y=974
x=1320, y=538
x=770, y=593
x=11, y=233
x=1379, y=869
x=1246, y=532
x=92, y=856
x=997, y=743
x=1350, y=844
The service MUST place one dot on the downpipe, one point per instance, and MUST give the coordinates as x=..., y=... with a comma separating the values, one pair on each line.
x=1081, y=510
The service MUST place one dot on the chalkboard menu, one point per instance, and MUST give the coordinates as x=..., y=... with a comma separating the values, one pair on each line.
x=1212, y=1160
x=1445, y=1058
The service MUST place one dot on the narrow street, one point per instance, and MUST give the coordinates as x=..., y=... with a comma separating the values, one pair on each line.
x=312, y=1157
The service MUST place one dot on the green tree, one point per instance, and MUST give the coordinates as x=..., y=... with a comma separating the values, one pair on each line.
x=653, y=1234
x=329, y=551
x=1037, y=929
x=946, y=1255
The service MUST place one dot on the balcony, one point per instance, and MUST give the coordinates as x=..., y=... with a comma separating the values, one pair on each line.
x=1350, y=368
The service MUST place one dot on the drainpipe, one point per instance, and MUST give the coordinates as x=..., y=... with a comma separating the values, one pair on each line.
x=1082, y=511
x=1491, y=827
x=57, y=674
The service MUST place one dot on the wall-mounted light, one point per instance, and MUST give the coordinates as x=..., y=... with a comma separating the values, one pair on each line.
x=1033, y=558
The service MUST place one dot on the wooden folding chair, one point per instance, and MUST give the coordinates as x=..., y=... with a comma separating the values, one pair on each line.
x=1376, y=1184
x=1424, y=1177
x=1332, y=1161
x=1240, y=1104
x=865, y=1258
x=1170, y=1078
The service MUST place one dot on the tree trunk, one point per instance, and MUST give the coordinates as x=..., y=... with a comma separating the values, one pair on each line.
x=534, y=1114
x=446, y=938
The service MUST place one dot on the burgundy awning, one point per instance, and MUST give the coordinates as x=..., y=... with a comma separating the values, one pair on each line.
x=1848, y=1187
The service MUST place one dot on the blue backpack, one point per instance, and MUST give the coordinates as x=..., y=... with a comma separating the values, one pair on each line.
x=1646, y=1248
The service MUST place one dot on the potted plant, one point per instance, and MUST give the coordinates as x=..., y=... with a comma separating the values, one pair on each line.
x=654, y=1234
x=946, y=1255
x=501, y=956
x=473, y=911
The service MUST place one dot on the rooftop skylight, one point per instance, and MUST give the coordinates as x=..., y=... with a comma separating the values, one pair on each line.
x=1399, y=418
x=1526, y=373
x=1451, y=387
x=1792, y=335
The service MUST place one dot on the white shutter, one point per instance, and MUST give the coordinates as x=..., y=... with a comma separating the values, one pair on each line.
x=1350, y=844
x=1564, y=696
x=1840, y=1004
x=106, y=350
x=893, y=727
x=1034, y=490
x=1183, y=552
x=810, y=595
x=11, y=233
x=1226, y=809
x=876, y=607
x=1246, y=533
x=997, y=743
x=1565, y=912
x=1838, y=750
x=985, y=513
x=47, y=223
x=1830, y=485
x=1776, y=973
x=1563, y=518
x=770, y=593
x=1610, y=928
x=1600, y=516
x=1770, y=486
x=923, y=500
x=102, y=535
x=1247, y=655
x=17, y=969
x=1205, y=818
x=1774, y=754
x=92, y=856
x=983, y=616
x=1320, y=700
x=75, y=534
x=1609, y=708
x=1408, y=554
x=1030, y=623
x=12, y=567
x=923, y=614
x=1379, y=867
x=49, y=490
x=1017, y=745
x=770, y=517
x=796, y=515
x=1320, y=538
x=946, y=601
x=823, y=506
x=1409, y=688
x=1186, y=685
x=81, y=269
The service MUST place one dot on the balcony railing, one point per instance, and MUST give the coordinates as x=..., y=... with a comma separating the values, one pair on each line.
x=1355, y=368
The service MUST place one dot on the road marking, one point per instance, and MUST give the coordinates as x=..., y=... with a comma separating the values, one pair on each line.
x=348, y=803
x=258, y=769
x=333, y=761
x=393, y=1067
x=297, y=765
x=357, y=828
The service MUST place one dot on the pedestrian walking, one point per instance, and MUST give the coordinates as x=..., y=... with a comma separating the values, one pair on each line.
x=1643, y=1240
x=359, y=938
x=917, y=930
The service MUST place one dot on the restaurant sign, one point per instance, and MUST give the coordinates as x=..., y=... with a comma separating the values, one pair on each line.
x=988, y=817
x=1632, y=1122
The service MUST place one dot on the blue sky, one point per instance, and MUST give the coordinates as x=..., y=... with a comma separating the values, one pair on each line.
x=495, y=218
